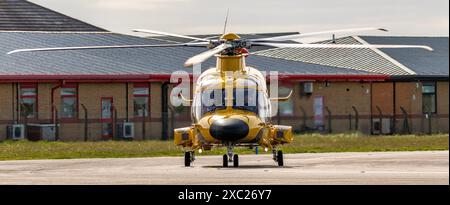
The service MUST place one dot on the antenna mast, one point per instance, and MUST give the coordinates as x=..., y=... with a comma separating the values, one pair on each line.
x=226, y=22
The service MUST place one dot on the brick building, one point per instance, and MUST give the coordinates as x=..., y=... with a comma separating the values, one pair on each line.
x=90, y=94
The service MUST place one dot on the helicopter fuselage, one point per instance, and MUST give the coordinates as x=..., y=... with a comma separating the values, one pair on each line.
x=231, y=106
x=238, y=106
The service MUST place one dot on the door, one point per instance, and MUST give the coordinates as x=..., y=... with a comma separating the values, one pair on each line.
x=107, y=117
x=318, y=112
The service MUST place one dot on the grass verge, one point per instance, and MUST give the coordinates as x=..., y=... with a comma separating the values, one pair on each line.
x=310, y=143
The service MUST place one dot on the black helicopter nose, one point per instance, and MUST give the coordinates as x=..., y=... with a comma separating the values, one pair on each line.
x=228, y=129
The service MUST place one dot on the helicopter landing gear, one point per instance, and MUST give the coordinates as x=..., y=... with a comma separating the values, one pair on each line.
x=230, y=157
x=189, y=157
x=235, y=160
x=278, y=157
x=230, y=153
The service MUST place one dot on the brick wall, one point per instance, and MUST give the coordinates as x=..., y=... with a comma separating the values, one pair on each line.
x=7, y=96
x=339, y=97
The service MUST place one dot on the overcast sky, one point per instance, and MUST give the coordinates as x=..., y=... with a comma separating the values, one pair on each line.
x=401, y=17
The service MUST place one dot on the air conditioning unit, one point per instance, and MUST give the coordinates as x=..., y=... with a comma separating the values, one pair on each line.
x=128, y=130
x=15, y=132
x=125, y=130
x=36, y=132
x=308, y=88
x=383, y=127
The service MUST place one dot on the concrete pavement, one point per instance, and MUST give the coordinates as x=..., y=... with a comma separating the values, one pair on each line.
x=428, y=167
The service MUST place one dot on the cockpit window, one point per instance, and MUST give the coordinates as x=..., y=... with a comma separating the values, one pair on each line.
x=245, y=99
x=212, y=100
x=247, y=95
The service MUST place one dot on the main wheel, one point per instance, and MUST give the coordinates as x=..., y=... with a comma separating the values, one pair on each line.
x=225, y=160
x=235, y=160
x=280, y=158
x=187, y=159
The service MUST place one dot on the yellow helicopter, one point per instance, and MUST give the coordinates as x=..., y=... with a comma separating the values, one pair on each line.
x=231, y=104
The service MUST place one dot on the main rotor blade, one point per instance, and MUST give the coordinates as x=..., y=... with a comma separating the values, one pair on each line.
x=209, y=38
x=107, y=47
x=169, y=34
x=205, y=55
x=302, y=35
x=298, y=45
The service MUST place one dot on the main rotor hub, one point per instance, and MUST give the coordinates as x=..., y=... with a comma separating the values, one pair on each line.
x=238, y=45
x=230, y=37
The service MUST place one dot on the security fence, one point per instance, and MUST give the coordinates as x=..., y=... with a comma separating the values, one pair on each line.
x=376, y=122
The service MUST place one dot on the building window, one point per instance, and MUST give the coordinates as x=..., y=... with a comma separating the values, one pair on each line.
x=429, y=98
x=285, y=108
x=141, y=96
x=28, y=100
x=69, y=101
x=107, y=109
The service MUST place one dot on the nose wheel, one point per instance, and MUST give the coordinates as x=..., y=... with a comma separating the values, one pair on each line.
x=230, y=157
x=235, y=160
x=225, y=160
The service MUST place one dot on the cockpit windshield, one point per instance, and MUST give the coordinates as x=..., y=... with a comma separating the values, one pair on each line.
x=246, y=95
x=243, y=99
x=212, y=100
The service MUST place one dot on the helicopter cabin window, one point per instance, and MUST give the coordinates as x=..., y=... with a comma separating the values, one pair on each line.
x=28, y=100
x=69, y=101
x=429, y=98
x=141, y=96
x=285, y=108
